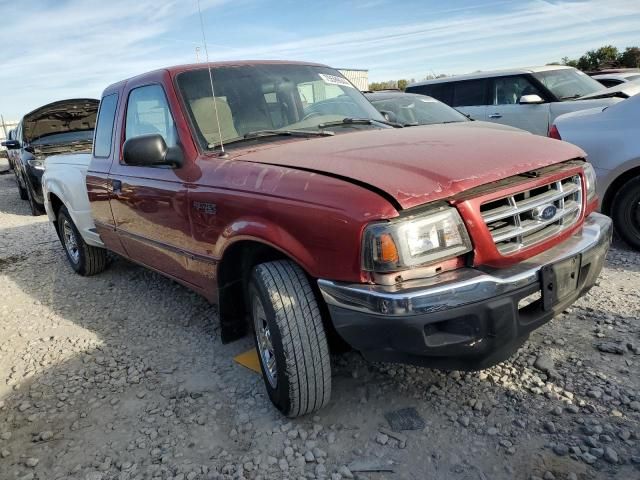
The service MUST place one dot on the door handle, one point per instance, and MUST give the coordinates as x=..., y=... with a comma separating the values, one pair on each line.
x=495, y=115
x=116, y=186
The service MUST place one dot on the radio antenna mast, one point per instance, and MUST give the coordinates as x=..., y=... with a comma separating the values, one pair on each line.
x=213, y=93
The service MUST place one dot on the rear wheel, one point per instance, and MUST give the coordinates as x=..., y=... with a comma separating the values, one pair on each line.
x=625, y=212
x=84, y=259
x=290, y=338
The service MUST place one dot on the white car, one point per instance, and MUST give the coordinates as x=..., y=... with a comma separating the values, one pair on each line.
x=526, y=98
x=67, y=204
x=611, y=138
x=616, y=78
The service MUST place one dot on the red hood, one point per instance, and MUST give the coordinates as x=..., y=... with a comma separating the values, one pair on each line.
x=417, y=165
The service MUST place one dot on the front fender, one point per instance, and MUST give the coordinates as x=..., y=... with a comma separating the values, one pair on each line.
x=269, y=233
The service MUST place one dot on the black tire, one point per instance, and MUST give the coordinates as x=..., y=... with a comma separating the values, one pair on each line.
x=85, y=259
x=298, y=339
x=625, y=212
x=21, y=190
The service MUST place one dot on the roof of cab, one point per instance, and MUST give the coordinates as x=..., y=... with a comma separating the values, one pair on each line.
x=492, y=73
x=177, y=69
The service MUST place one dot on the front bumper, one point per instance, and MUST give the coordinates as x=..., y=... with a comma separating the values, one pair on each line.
x=470, y=318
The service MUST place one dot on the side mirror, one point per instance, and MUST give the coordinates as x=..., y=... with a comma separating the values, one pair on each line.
x=11, y=144
x=389, y=116
x=530, y=99
x=151, y=151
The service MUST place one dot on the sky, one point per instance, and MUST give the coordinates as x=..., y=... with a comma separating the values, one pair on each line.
x=56, y=49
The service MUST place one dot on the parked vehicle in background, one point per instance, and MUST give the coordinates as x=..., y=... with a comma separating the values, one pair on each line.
x=411, y=109
x=10, y=153
x=611, y=138
x=526, y=98
x=59, y=127
x=420, y=245
x=616, y=76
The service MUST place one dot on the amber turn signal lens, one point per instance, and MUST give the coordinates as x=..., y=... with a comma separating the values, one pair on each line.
x=387, y=251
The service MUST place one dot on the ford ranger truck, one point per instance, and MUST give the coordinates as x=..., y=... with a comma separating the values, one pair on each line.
x=286, y=199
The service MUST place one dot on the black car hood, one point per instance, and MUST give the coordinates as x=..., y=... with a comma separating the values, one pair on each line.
x=71, y=115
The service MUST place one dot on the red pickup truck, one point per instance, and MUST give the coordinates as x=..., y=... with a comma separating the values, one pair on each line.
x=287, y=199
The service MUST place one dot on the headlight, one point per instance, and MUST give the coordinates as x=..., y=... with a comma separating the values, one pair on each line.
x=37, y=164
x=590, y=178
x=414, y=241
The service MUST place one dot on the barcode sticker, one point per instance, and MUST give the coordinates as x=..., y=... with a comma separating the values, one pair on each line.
x=335, y=80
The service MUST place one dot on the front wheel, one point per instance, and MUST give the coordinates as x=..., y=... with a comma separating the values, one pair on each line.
x=84, y=259
x=290, y=338
x=625, y=212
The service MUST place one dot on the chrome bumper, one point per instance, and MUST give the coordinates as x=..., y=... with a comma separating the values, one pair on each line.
x=469, y=285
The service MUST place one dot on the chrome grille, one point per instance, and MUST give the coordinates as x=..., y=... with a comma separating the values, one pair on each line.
x=524, y=219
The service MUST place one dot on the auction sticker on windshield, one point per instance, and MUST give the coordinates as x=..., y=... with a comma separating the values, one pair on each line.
x=335, y=80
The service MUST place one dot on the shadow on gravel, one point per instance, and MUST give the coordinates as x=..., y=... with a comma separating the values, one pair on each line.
x=123, y=374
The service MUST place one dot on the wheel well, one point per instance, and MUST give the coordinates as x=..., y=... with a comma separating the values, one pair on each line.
x=56, y=205
x=233, y=276
x=615, y=186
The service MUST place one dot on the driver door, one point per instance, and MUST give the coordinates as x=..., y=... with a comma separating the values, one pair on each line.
x=505, y=108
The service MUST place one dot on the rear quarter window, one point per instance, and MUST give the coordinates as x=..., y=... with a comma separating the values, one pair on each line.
x=470, y=93
x=439, y=91
x=104, y=127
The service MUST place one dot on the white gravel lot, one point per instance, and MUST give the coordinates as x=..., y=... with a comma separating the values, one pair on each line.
x=123, y=376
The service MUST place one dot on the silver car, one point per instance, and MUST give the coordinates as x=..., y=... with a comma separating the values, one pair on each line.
x=611, y=138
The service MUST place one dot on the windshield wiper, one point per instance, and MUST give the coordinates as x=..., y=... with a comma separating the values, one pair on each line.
x=357, y=121
x=571, y=97
x=275, y=133
x=290, y=133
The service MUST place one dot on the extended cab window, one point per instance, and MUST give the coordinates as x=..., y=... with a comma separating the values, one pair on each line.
x=469, y=93
x=148, y=112
x=508, y=90
x=104, y=127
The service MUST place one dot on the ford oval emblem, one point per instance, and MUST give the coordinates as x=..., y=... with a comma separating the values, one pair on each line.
x=544, y=212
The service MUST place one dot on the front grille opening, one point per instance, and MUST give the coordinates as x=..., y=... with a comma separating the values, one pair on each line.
x=534, y=215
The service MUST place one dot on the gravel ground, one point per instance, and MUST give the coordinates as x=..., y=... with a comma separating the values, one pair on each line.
x=123, y=376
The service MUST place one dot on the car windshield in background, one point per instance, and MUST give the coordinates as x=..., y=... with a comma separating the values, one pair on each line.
x=65, y=137
x=270, y=98
x=568, y=84
x=412, y=109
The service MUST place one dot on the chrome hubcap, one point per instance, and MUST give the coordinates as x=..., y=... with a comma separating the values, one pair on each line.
x=70, y=242
x=265, y=344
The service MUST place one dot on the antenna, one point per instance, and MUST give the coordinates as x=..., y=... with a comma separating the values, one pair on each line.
x=213, y=93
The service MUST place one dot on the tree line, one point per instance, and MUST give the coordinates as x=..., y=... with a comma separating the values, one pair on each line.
x=604, y=57
x=601, y=58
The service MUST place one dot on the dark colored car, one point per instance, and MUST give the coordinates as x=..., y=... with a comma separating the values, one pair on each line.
x=65, y=126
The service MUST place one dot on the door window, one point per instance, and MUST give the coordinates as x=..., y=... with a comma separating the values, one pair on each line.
x=439, y=91
x=148, y=112
x=508, y=90
x=104, y=127
x=469, y=93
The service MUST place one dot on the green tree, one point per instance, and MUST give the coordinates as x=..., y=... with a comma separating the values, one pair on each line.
x=402, y=84
x=569, y=62
x=630, y=58
x=603, y=57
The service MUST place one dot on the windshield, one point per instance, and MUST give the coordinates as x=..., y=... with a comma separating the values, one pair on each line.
x=417, y=110
x=253, y=98
x=567, y=84
x=65, y=137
